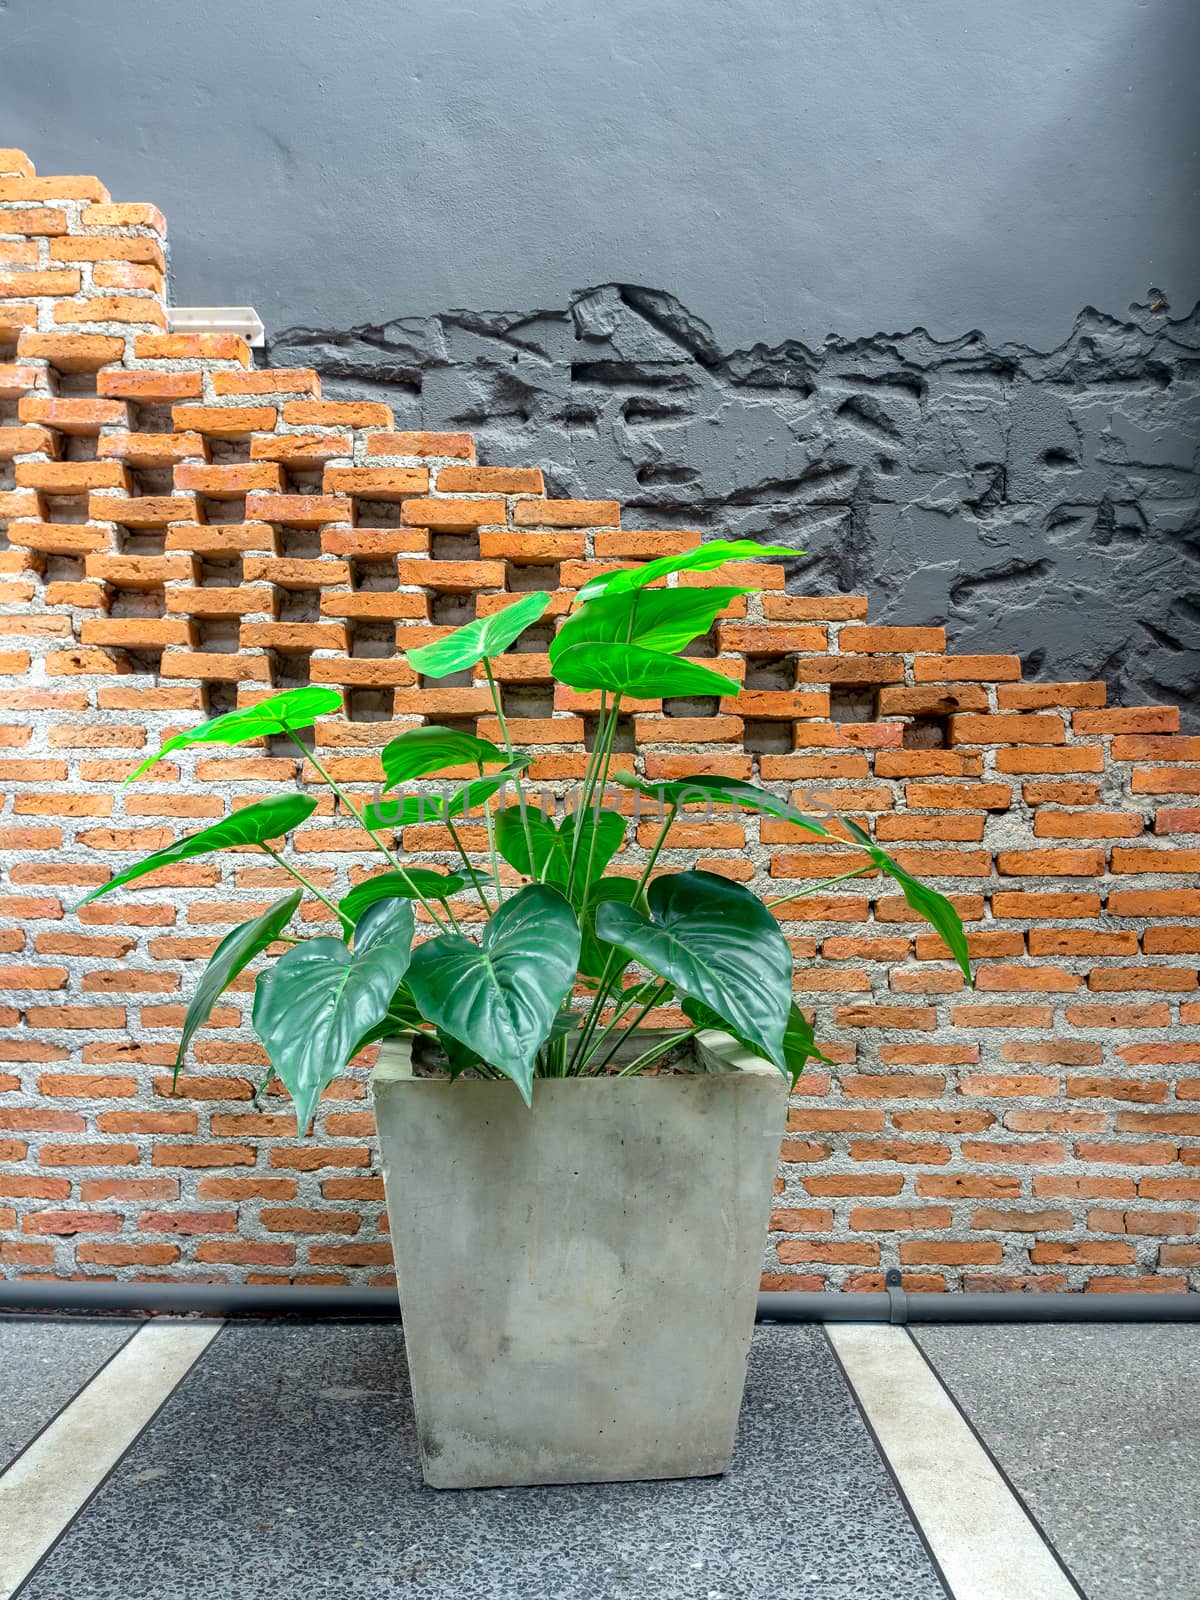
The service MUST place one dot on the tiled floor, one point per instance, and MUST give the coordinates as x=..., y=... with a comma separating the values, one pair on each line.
x=284, y=1463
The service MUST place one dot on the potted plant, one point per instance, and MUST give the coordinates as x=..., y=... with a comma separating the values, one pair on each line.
x=578, y=1205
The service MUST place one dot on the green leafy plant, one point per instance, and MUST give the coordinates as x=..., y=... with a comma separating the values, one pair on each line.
x=561, y=960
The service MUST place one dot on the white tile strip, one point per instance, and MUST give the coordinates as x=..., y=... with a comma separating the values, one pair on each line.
x=980, y=1535
x=50, y=1482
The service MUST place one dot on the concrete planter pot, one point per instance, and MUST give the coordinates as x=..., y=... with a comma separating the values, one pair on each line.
x=578, y=1281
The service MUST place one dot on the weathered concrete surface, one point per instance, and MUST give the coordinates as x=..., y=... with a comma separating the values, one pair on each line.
x=1040, y=504
x=578, y=1280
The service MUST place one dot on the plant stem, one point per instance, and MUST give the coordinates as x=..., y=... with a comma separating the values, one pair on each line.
x=618, y=1035
x=812, y=888
x=310, y=755
x=585, y=795
x=346, y=921
x=644, y=880
x=262, y=1088
x=660, y=1049
x=508, y=746
x=601, y=786
x=476, y=880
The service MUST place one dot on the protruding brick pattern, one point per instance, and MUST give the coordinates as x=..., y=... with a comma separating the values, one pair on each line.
x=186, y=532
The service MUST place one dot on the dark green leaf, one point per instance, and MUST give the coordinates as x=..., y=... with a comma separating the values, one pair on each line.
x=320, y=1001
x=402, y=1017
x=460, y=1058
x=387, y=922
x=552, y=844
x=253, y=824
x=632, y=670
x=513, y=845
x=702, y=790
x=704, y=558
x=421, y=751
x=500, y=997
x=799, y=1045
x=933, y=907
x=594, y=953
x=601, y=833
x=656, y=619
x=412, y=884
x=294, y=708
x=718, y=943
x=486, y=636
x=234, y=953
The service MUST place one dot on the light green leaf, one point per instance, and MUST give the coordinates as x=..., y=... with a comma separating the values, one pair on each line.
x=318, y=1003
x=705, y=558
x=500, y=997
x=294, y=709
x=253, y=824
x=486, y=636
x=414, y=883
x=656, y=619
x=704, y=790
x=637, y=672
x=717, y=943
x=234, y=953
x=933, y=907
x=422, y=751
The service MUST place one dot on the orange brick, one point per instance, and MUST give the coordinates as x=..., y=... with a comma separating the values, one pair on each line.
x=337, y=413
x=455, y=446
x=564, y=514
x=899, y=1219
x=1145, y=1223
x=376, y=483
x=453, y=514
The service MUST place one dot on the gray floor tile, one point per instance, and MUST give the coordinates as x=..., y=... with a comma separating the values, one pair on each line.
x=285, y=1464
x=43, y=1364
x=1098, y=1427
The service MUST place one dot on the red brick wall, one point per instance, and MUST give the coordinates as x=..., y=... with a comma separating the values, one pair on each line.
x=186, y=532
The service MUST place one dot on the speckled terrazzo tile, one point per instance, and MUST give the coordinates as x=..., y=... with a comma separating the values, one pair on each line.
x=1099, y=1430
x=285, y=1464
x=43, y=1364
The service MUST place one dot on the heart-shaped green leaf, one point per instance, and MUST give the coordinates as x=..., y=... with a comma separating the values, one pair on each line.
x=318, y=1002
x=629, y=669
x=253, y=824
x=594, y=952
x=704, y=558
x=600, y=836
x=799, y=1043
x=718, y=943
x=500, y=997
x=657, y=619
x=402, y=1017
x=422, y=751
x=414, y=883
x=294, y=709
x=486, y=636
x=234, y=953
x=704, y=790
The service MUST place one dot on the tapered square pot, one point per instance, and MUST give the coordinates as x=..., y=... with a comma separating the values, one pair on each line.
x=578, y=1281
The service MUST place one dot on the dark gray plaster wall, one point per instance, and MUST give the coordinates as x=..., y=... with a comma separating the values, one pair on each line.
x=792, y=179
x=786, y=168
x=1046, y=505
